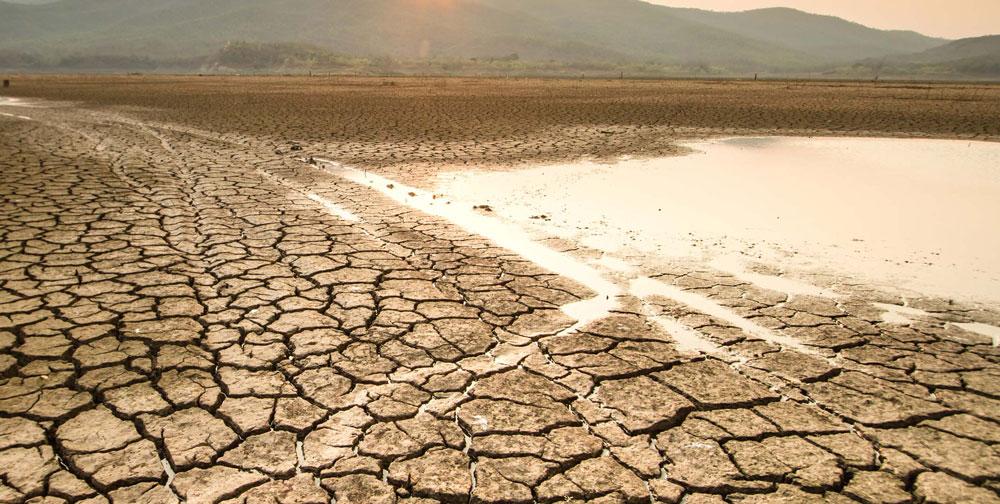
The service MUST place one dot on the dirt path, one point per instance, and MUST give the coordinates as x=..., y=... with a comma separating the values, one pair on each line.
x=191, y=316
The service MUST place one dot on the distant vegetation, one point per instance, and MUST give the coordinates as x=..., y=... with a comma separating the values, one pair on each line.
x=490, y=37
x=256, y=55
x=972, y=56
x=241, y=57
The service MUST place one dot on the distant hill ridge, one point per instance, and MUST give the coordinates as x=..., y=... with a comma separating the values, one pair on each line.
x=766, y=40
x=974, y=47
x=826, y=36
x=976, y=56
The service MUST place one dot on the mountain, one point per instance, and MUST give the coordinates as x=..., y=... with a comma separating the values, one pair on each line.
x=577, y=31
x=964, y=49
x=974, y=57
x=828, y=37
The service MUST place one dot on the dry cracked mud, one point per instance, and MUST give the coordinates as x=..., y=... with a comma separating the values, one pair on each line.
x=184, y=317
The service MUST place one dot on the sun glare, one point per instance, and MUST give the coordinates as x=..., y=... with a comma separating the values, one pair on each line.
x=434, y=4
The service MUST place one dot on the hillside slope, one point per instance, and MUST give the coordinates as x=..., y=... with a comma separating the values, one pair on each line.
x=561, y=30
x=962, y=49
x=828, y=37
x=976, y=57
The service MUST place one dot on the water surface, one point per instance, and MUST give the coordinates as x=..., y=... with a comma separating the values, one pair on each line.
x=923, y=215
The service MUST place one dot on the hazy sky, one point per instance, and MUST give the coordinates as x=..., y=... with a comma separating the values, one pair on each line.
x=942, y=18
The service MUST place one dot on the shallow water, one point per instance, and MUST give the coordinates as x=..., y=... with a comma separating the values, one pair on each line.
x=921, y=215
x=6, y=101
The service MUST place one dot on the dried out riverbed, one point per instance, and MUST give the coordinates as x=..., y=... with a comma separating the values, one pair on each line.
x=232, y=290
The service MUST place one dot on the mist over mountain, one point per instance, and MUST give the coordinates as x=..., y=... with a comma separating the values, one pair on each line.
x=975, y=56
x=828, y=37
x=987, y=47
x=598, y=33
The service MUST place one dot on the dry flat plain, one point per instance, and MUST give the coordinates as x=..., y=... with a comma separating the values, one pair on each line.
x=192, y=312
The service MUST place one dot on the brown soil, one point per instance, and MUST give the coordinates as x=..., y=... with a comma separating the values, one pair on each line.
x=183, y=319
x=444, y=121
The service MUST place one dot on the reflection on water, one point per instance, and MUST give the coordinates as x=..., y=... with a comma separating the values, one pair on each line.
x=6, y=101
x=919, y=214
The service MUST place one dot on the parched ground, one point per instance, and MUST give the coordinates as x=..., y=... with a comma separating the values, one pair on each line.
x=411, y=126
x=183, y=319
